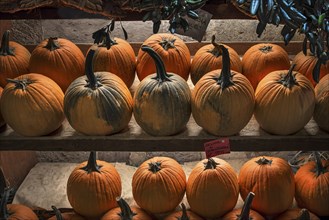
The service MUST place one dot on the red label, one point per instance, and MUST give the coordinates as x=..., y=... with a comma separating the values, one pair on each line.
x=217, y=147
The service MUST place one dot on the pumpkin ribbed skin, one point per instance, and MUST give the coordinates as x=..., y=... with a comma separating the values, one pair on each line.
x=212, y=188
x=261, y=59
x=2, y=121
x=20, y=212
x=306, y=63
x=119, y=59
x=102, y=110
x=209, y=58
x=272, y=181
x=312, y=188
x=92, y=191
x=295, y=213
x=173, y=51
x=14, y=59
x=34, y=109
x=158, y=185
x=321, y=110
x=284, y=102
x=59, y=59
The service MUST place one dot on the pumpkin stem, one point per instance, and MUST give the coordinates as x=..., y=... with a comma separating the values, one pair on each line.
x=264, y=161
x=184, y=213
x=161, y=75
x=20, y=84
x=3, y=204
x=52, y=44
x=92, y=165
x=266, y=49
x=155, y=167
x=244, y=215
x=210, y=164
x=167, y=44
x=320, y=169
x=57, y=213
x=126, y=212
x=289, y=80
x=304, y=215
x=5, y=48
x=92, y=82
x=225, y=77
x=216, y=51
x=108, y=42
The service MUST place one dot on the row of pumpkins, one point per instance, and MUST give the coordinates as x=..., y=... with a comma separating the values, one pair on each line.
x=100, y=103
x=266, y=184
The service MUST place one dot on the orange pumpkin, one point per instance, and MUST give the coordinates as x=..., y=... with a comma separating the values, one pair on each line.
x=210, y=57
x=118, y=57
x=65, y=216
x=158, y=185
x=162, y=101
x=59, y=59
x=272, y=181
x=99, y=103
x=306, y=63
x=244, y=213
x=32, y=105
x=125, y=212
x=212, y=188
x=261, y=59
x=2, y=121
x=14, y=59
x=321, y=110
x=312, y=186
x=298, y=214
x=183, y=215
x=172, y=50
x=215, y=98
x=285, y=102
x=93, y=186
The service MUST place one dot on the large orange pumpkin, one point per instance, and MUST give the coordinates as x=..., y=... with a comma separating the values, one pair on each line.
x=272, y=181
x=32, y=105
x=297, y=214
x=65, y=216
x=158, y=185
x=14, y=59
x=2, y=121
x=93, y=186
x=244, y=213
x=215, y=98
x=125, y=212
x=118, y=57
x=312, y=186
x=321, y=110
x=173, y=51
x=162, y=101
x=183, y=215
x=306, y=63
x=59, y=59
x=285, y=102
x=212, y=188
x=99, y=103
x=261, y=59
x=210, y=57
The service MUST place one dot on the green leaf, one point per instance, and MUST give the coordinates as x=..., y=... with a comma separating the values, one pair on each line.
x=321, y=18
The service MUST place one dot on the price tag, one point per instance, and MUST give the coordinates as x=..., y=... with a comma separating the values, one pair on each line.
x=217, y=147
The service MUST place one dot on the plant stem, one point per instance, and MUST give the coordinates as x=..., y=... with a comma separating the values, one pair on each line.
x=224, y=79
x=92, y=164
x=126, y=212
x=20, y=84
x=3, y=204
x=93, y=83
x=210, y=164
x=57, y=213
x=155, y=167
x=184, y=213
x=246, y=207
x=320, y=169
x=5, y=49
x=217, y=51
x=289, y=80
x=52, y=44
x=264, y=161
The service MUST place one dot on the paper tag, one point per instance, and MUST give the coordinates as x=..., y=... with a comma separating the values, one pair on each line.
x=217, y=147
x=197, y=27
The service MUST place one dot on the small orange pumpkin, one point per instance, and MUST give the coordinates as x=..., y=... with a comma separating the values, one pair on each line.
x=261, y=59
x=183, y=215
x=172, y=50
x=312, y=186
x=14, y=59
x=2, y=121
x=212, y=188
x=306, y=63
x=93, y=186
x=321, y=110
x=125, y=212
x=59, y=59
x=158, y=185
x=65, y=216
x=297, y=214
x=210, y=57
x=272, y=181
x=32, y=105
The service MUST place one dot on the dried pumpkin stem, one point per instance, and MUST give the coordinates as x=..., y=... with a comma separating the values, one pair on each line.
x=167, y=44
x=210, y=164
x=5, y=49
x=126, y=212
x=3, y=204
x=57, y=213
x=225, y=79
x=92, y=165
x=161, y=74
x=108, y=41
x=320, y=169
x=52, y=44
x=246, y=207
x=266, y=49
x=20, y=84
x=289, y=80
x=184, y=213
x=216, y=51
x=155, y=167
x=304, y=215
x=93, y=83
x=264, y=161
